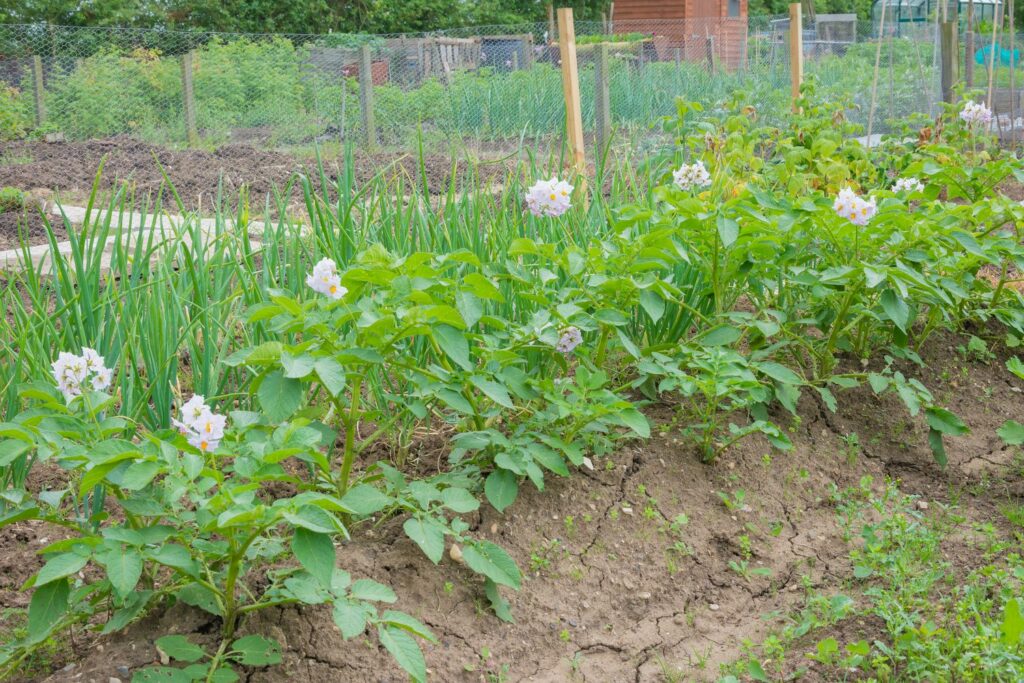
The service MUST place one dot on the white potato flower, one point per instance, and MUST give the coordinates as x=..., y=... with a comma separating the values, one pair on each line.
x=549, y=197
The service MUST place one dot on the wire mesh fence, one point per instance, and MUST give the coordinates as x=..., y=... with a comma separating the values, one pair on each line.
x=489, y=87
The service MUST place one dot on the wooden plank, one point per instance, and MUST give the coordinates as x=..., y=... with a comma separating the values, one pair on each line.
x=796, y=50
x=37, y=89
x=366, y=96
x=189, y=100
x=571, y=88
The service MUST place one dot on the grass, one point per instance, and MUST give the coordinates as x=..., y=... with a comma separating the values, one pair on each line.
x=11, y=199
x=939, y=618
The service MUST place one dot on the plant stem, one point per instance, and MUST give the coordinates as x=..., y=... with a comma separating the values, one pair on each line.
x=350, y=436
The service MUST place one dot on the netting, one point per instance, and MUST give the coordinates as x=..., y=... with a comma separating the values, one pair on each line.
x=485, y=87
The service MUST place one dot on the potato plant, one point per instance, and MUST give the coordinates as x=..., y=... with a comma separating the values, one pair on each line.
x=781, y=262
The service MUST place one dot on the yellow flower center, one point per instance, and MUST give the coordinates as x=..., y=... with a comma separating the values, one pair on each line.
x=553, y=197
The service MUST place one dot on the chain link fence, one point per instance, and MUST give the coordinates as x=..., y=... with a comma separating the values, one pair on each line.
x=492, y=88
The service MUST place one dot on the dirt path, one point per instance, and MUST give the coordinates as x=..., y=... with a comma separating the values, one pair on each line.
x=618, y=586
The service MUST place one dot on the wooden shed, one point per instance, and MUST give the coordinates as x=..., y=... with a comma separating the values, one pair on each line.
x=693, y=29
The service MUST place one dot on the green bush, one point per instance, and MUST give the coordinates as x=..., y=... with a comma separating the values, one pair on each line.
x=14, y=114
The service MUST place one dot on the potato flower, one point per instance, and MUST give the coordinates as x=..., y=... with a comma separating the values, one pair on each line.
x=549, y=197
x=855, y=209
x=691, y=176
x=325, y=279
x=202, y=427
x=976, y=112
x=570, y=339
x=908, y=184
x=71, y=372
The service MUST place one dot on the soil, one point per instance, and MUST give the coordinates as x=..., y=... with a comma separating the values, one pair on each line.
x=605, y=598
x=70, y=169
x=27, y=227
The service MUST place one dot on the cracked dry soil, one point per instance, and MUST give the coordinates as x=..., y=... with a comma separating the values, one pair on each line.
x=605, y=597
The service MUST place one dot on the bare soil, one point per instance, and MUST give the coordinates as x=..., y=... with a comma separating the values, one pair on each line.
x=197, y=175
x=606, y=598
x=26, y=227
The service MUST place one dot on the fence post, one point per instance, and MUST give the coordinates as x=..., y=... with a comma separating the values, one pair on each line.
x=37, y=89
x=189, y=100
x=678, y=54
x=948, y=58
x=551, y=23
x=602, y=99
x=796, y=50
x=571, y=86
x=366, y=96
x=711, y=54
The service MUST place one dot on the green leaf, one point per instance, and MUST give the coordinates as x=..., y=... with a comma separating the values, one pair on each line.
x=722, y=335
x=59, y=566
x=408, y=623
x=492, y=390
x=1012, y=433
x=404, y=649
x=779, y=372
x=653, y=304
x=200, y=596
x=124, y=567
x=942, y=420
x=501, y=489
x=11, y=450
x=756, y=672
x=48, y=605
x=133, y=607
x=428, y=535
x=297, y=367
x=500, y=605
x=896, y=308
x=459, y=500
x=453, y=343
x=635, y=420
x=1013, y=623
x=938, y=448
x=279, y=396
x=331, y=375
x=162, y=674
x=364, y=500
x=256, y=651
x=139, y=474
x=728, y=230
x=180, y=648
x=368, y=589
x=350, y=618
x=315, y=552
x=486, y=558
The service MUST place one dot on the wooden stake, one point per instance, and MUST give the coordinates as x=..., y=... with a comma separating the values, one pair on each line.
x=992, y=58
x=189, y=100
x=874, y=80
x=602, y=100
x=571, y=87
x=948, y=54
x=796, y=50
x=37, y=89
x=969, y=52
x=366, y=96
